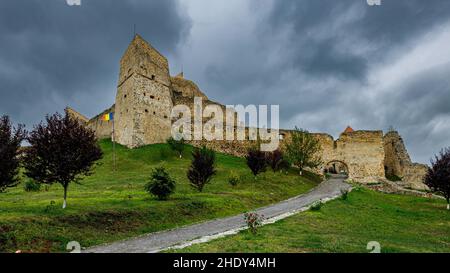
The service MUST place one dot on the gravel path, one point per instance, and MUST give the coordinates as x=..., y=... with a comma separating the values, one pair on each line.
x=184, y=236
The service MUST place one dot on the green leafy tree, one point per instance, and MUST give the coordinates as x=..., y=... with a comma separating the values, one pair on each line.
x=234, y=179
x=303, y=150
x=202, y=168
x=62, y=151
x=31, y=186
x=160, y=184
x=438, y=176
x=176, y=145
x=10, y=140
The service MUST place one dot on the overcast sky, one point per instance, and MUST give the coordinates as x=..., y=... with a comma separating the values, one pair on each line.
x=327, y=63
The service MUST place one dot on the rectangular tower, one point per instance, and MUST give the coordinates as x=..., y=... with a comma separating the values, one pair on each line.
x=144, y=98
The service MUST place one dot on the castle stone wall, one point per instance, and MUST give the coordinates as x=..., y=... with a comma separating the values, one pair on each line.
x=362, y=152
x=398, y=162
x=146, y=94
x=74, y=114
x=102, y=128
x=186, y=88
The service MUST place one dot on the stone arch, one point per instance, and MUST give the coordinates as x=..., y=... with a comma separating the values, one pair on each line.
x=337, y=167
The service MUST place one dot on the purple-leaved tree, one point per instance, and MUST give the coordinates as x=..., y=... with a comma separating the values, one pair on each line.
x=438, y=176
x=62, y=151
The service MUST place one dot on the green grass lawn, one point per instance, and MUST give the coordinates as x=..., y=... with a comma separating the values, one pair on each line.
x=398, y=223
x=110, y=206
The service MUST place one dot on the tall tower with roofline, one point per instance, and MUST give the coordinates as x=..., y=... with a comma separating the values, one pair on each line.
x=144, y=97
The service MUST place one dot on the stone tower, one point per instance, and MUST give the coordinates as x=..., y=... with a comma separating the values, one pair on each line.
x=144, y=98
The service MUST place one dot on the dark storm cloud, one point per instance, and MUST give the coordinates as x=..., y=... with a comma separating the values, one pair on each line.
x=325, y=40
x=317, y=56
x=389, y=25
x=53, y=55
x=322, y=58
x=318, y=60
x=420, y=99
x=420, y=108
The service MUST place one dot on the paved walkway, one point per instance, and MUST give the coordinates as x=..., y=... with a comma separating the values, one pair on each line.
x=159, y=241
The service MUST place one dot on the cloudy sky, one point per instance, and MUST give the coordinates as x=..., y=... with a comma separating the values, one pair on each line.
x=327, y=63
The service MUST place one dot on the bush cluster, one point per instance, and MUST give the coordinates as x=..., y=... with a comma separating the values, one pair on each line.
x=161, y=184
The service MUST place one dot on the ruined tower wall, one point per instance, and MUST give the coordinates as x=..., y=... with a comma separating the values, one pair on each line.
x=398, y=162
x=74, y=114
x=144, y=98
x=397, y=158
x=186, y=88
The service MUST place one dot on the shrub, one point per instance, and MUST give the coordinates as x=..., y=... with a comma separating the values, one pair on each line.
x=256, y=161
x=31, y=185
x=193, y=207
x=164, y=153
x=160, y=184
x=51, y=207
x=202, y=167
x=317, y=205
x=254, y=221
x=284, y=165
x=234, y=179
x=344, y=194
x=7, y=238
x=176, y=145
x=393, y=178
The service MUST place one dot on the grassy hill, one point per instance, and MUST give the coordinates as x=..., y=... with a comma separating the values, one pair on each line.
x=399, y=223
x=109, y=206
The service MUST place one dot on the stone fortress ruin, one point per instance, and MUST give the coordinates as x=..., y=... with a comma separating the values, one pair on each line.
x=146, y=94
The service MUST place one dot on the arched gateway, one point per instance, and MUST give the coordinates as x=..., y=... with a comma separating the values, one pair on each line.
x=337, y=167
